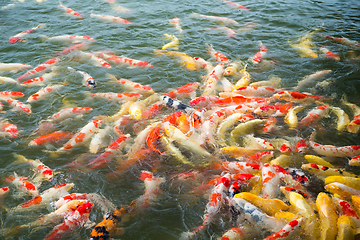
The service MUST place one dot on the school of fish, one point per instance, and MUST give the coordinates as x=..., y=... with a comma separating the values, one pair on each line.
x=251, y=151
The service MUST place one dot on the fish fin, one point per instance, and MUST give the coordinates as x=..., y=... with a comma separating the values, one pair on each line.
x=112, y=77
x=20, y=159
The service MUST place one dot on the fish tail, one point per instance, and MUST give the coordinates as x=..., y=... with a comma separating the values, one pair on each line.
x=42, y=25
x=20, y=159
x=112, y=77
x=43, y=37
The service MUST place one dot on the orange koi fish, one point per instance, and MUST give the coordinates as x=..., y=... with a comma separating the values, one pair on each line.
x=20, y=37
x=39, y=69
x=66, y=113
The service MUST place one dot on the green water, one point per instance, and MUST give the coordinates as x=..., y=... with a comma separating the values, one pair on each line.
x=177, y=210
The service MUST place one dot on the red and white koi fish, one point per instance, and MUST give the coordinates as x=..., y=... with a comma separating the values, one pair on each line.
x=297, y=97
x=77, y=47
x=14, y=67
x=20, y=37
x=344, y=41
x=260, y=157
x=212, y=80
x=18, y=105
x=117, y=97
x=236, y=5
x=95, y=60
x=72, y=223
x=314, y=115
x=43, y=93
x=70, y=197
x=203, y=101
x=259, y=55
x=186, y=91
x=234, y=233
x=329, y=54
x=240, y=167
x=109, y=18
x=70, y=11
x=135, y=87
x=310, y=78
x=271, y=181
x=39, y=69
x=87, y=79
x=176, y=22
x=346, y=208
x=354, y=125
x=8, y=129
x=39, y=81
x=222, y=20
x=81, y=137
x=50, y=138
x=112, y=149
x=44, y=172
x=218, y=56
x=288, y=230
x=66, y=39
x=124, y=61
x=23, y=185
x=69, y=113
x=334, y=151
x=10, y=94
x=256, y=91
x=46, y=196
x=209, y=126
x=355, y=161
x=152, y=188
x=98, y=140
x=7, y=80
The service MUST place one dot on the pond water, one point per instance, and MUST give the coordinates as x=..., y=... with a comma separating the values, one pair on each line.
x=178, y=209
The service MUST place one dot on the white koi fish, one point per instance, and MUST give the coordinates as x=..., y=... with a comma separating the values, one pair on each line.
x=218, y=56
x=8, y=129
x=8, y=80
x=222, y=20
x=176, y=22
x=120, y=9
x=271, y=181
x=39, y=69
x=14, y=67
x=212, y=80
x=98, y=139
x=66, y=113
x=67, y=39
x=87, y=79
x=43, y=93
x=39, y=81
x=44, y=172
x=109, y=18
x=20, y=37
x=311, y=78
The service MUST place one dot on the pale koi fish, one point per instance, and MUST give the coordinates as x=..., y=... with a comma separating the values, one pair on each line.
x=212, y=80
x=39, y=69
x=250, y=91
x=7, y=80
x=354, y=125
x=329, y=54
x=20, y=37
x=66, y=113
x=222, y=20
x=19, y=106
x=44, y=172
x=219, y=57
x=95, y=60
x=245, y=80
x=344, y=41
x=87, y=79
x=114, y=148
x=176, y=22
x=43, y=93
x=305, y=43
x=98, y=140
x=259, y=55
x=23, y=185
x=125, y=61
x=109, y=18
x=72, y=223
x=81, y=137
x=70, y=11
x=77, y=47
x=14, y=67
x=174, y=42
x=120, y=9
x=50, y=138
x=67, y=39
x=271, y=181
x=39, y=81
x=116, y=97
x=311, y=78
x=236, y=5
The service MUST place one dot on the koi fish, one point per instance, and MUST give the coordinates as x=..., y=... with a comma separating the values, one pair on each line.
x=314, y=115
x=125, y=61
x=212, y=80
x=244, y=80
x=344, y=41
x=186, y=60
x=297, y=97
x=39, y=81
x=95, y=60
x=14, y=67
x=346, y=228
x=322, y=171
x=304, y=45
x=39, y=69
x=328, y=216
x=271, y=181
x=66, y=113
x=70, y=11
x=188, y=90
x=329, y=54
x=81, y=137
x=176, y=22
x=87, y=79
x=20, y=37
x=109, y=18
x=233, y=234
x=354, y=125
x=120, y=9
x=218, y=56
x=8, y=129
x=7, y=80
x=66, y=39
x=23, y=185
x=343, y=119
x=116, y=97
x=351, y=182
x=43, y=93
x=236, y=5
x=73, y=222
x=173, y=44
x=19, y=106
x=135, y=87
x=259, y=55
x=50, y=138
x=311, y=78
x=355, y=161
x=10, y=94
x=221, y=20
x=77, y=47
x=44, y=172
x=288, y=230
x=177, y=105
